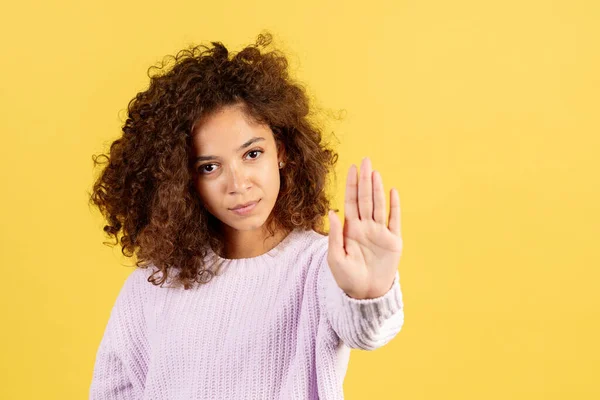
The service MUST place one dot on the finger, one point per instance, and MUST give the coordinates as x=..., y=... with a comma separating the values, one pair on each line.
x=394, y=221
x=351, y=201
x=336, y=237
x=378, y=198
x=365, y=191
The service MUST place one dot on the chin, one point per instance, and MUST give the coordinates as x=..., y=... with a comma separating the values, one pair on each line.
x=248, y=224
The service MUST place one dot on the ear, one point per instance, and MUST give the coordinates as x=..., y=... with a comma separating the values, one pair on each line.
x=280, y=151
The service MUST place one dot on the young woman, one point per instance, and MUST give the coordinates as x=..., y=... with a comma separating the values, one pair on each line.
x=218, y=187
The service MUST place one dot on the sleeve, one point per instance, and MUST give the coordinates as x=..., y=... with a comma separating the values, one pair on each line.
x=365, y=324
x=122, y=357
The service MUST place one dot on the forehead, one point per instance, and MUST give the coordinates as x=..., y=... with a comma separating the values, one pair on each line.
x=226, y=128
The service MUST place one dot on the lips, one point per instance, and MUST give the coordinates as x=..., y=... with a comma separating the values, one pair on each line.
x=243, y=205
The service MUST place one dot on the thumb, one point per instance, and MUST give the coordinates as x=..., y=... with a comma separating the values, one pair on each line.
x=336, y=238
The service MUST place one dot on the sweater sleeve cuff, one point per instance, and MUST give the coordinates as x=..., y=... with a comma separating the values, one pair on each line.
x=377, y=309
x=365, y=323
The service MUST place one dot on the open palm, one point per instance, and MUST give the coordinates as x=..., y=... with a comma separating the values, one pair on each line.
x=363, y=255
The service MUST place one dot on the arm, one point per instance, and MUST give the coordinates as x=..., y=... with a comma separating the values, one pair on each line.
x=360, y=278
x=121, y=360
x=365, y=324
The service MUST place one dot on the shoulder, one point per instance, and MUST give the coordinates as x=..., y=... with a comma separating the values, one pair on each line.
x=136, y=284
x=311, y=252
x=140, y=275
x=312, y=244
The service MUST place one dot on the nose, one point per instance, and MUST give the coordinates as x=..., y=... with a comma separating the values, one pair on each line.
x=237, y=179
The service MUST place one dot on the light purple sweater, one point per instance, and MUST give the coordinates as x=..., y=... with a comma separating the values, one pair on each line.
x=275, y=326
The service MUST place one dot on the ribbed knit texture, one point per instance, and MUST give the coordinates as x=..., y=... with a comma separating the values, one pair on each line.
x=275, y=326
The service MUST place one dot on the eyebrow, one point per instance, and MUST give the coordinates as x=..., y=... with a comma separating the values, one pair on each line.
x=242, y=147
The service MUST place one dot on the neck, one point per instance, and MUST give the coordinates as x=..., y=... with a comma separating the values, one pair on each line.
x=252, y=243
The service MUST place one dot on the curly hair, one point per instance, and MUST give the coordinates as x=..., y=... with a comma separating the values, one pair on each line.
x=146, y=190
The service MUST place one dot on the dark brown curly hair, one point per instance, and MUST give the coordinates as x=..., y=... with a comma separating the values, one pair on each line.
x=146, y=189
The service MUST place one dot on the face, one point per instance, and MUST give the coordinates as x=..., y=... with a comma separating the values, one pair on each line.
x=235, y=162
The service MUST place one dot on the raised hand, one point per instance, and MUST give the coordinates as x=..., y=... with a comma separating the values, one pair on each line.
x=364, y=255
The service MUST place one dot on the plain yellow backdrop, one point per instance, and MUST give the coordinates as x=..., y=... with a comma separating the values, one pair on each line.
x=484, y=115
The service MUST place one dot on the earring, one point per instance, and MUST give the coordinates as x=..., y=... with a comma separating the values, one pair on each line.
x=281, y=164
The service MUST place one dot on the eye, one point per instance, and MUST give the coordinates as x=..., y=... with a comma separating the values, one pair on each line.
x=254, y=151
x=202, y=170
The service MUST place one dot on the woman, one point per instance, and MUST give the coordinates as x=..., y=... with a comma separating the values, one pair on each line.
x=218, y=186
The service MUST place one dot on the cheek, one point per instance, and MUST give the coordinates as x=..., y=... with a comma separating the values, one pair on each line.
x=272, y=183
x=206, y=192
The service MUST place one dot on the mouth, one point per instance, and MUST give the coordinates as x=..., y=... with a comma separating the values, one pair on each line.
x=248, y=205
x=245, y=209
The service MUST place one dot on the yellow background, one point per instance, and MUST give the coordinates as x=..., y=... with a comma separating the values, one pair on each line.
x=484, y=114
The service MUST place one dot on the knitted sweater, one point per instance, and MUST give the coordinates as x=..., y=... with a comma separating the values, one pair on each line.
x=275, y=326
